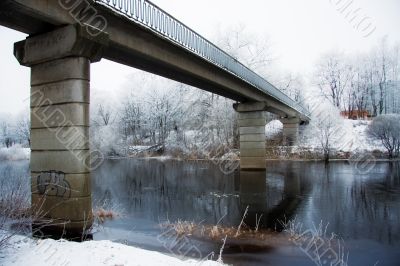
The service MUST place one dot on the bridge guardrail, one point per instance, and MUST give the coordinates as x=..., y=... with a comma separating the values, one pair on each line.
x=151, y=16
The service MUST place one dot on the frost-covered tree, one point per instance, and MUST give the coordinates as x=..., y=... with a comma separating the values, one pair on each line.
x=104, y=114
x=251, y=49
x=293, y=86
x=326, y=129
x=333, y=76
x=363, y=82
x=164, y=113
x=23, y=129
x=131, y=120
x=386, y=128
x=7, y=137
x=105, y=134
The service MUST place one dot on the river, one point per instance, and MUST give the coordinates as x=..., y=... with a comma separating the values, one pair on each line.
x=361, y=209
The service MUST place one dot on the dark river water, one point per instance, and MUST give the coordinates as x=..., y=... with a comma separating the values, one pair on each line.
x=362, y=210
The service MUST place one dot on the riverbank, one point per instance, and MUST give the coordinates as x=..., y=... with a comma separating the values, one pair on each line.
x=284, y=153
x=26, y=251
x=14, y=153
x=351, y=139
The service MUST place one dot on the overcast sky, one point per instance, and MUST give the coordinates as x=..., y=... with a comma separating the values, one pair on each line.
x=300, y=31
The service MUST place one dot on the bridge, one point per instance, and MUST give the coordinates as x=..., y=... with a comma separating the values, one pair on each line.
x=66, y=36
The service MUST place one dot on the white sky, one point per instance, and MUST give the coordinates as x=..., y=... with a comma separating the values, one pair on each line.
x=300, y=31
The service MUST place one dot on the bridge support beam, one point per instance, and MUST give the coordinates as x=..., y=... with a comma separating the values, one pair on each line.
x=290, y=130
x=252, y=123
x=61, y=158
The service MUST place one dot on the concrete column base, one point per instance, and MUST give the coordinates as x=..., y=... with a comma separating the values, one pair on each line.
x=60, y=158
x=290, y=131
x=252, y=123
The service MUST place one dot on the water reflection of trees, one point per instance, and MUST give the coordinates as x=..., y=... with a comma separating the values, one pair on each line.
x=199, y=191
x=376, y=203
x=159, y=190
x=358, y=206
x=354, y=205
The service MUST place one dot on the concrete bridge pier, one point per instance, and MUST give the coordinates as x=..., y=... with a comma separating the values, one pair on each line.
x=61, y=158
x=290, y=130
x=252, y=123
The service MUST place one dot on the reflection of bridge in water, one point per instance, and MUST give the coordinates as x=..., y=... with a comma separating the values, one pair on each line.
x=197, y=192
x=275, y=196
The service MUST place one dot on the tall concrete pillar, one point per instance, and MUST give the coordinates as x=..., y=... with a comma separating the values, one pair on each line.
x=60, y=153
x=252, y=123
x=290, y=130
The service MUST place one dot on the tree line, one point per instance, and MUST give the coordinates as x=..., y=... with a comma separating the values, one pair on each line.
x=362, y=82
x=15, y=132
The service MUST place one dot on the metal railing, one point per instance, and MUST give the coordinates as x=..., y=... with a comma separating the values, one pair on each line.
x=149, y=15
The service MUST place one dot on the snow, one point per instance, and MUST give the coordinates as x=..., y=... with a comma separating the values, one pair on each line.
x=273, y=128
x=14, y=153
x=138, y=148
x=26, y=251
x=350, y=136
x=161, y=158
x=356, y=136
x=107, y=140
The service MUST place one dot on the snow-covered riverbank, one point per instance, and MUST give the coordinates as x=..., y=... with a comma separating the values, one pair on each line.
x=14, y=153
x=26, y=251
x=351, y=137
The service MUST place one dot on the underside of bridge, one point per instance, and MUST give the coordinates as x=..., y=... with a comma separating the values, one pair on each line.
x=59, y=52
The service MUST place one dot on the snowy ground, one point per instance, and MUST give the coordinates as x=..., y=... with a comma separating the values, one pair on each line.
x=14, y=153
x=25, y=251
x=354, y=136
x=273, y=128
x=350, y=136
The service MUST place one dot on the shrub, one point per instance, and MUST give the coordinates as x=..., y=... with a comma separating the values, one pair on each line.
x=386, y=128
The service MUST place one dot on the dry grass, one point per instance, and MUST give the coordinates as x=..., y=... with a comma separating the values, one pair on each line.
x=106, y=210
x=184, y=227
x=15, y=211
x=242, y=222
x=19, y=217
x=231, y=238
x=102, y=215
x=317, y=240
x=215, y=232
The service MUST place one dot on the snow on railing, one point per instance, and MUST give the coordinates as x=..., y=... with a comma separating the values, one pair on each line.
x=151, y=16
